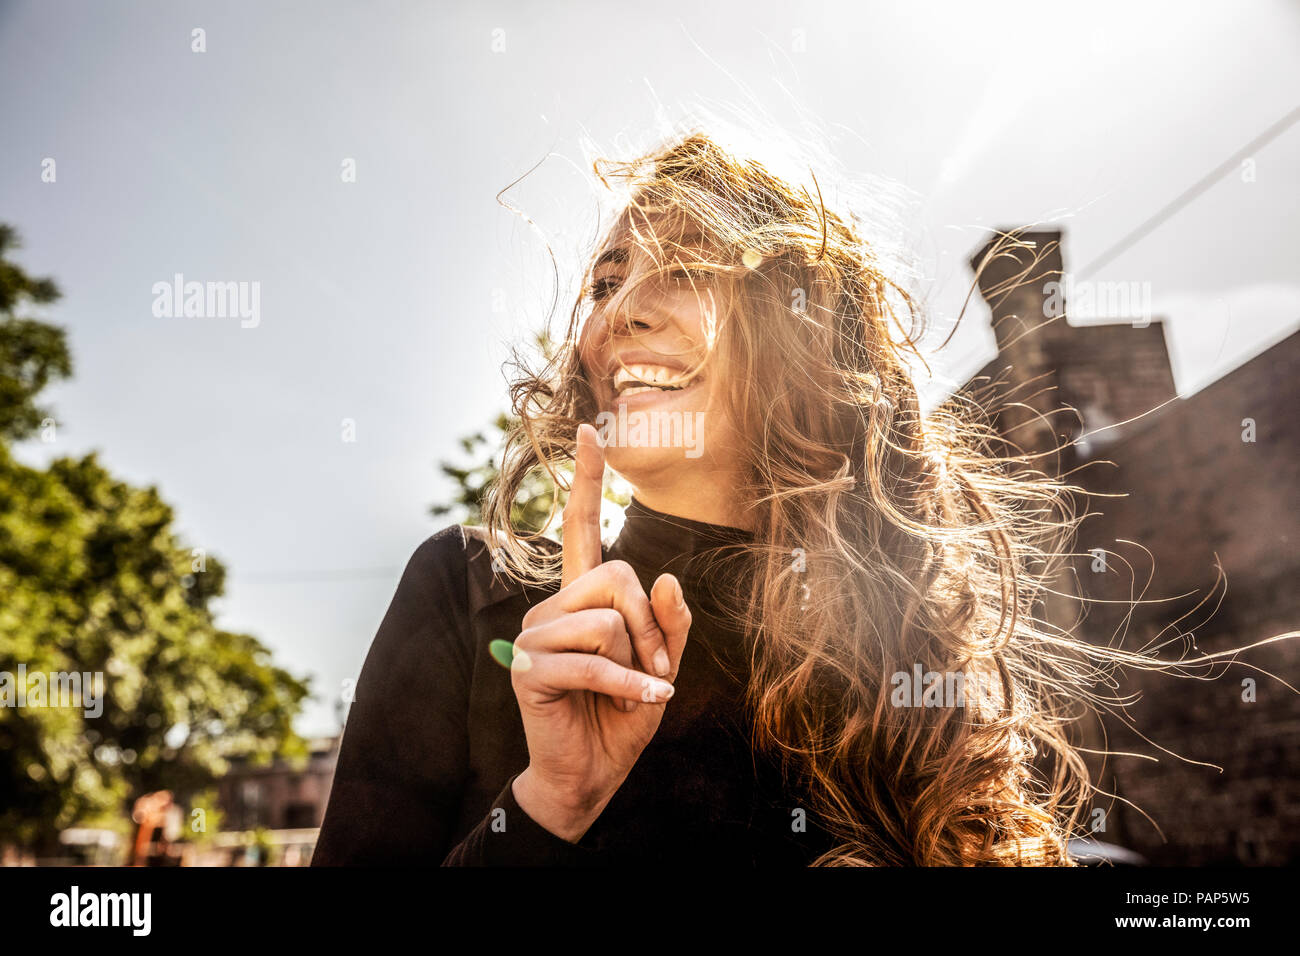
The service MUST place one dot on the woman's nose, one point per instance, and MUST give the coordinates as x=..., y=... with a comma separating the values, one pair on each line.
x=636, y=308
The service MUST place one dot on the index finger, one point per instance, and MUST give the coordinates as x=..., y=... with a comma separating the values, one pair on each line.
x=581, y=518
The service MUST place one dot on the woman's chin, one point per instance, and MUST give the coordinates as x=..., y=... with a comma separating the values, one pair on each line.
x=653, y=430
x=641, y=465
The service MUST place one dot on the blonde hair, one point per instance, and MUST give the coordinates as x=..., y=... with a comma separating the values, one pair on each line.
x=926, y=544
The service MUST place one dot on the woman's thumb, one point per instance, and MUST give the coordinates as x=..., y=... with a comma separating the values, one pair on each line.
x=673, y=617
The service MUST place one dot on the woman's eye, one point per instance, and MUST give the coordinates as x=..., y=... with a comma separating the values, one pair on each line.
x=601, y=289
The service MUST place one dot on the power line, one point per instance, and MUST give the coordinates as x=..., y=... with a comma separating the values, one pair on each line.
x=319, y=576
x=1192, y=192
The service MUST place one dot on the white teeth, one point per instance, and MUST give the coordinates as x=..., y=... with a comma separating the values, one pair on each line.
x=641, y=377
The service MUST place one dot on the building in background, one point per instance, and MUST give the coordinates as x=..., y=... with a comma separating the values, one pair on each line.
x=1204, y=484
x=286, y=798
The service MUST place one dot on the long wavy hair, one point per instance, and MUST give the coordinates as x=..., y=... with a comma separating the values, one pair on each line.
x=885, y=539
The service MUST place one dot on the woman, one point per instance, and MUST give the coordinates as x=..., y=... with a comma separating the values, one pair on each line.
x=731, y=681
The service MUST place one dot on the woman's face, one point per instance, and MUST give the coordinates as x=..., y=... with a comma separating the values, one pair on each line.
x=647, y=353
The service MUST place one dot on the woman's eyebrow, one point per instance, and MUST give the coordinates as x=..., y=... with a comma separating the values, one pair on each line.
x=619, y=254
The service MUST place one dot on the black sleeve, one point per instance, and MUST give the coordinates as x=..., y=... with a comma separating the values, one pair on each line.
x=507, y=836
x=403, y=759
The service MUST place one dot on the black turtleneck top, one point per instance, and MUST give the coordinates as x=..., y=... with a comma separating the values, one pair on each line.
x=434, y=739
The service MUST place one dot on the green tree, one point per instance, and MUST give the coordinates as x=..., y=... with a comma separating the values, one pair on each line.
x=95, y=581
x=32, y=353
x=532, y=505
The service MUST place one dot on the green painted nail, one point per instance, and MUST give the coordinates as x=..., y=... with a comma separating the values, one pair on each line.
x=503, y=652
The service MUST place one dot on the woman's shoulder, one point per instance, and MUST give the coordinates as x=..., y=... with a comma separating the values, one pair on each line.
x=463, y=559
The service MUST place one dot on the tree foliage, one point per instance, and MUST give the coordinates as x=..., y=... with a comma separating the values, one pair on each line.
x=95, y=581
x=532, y=505
x=32, y=353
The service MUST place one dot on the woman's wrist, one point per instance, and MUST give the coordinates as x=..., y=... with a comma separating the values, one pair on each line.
x=561, y=814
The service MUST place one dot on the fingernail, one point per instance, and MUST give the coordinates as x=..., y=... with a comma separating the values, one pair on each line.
x=503, y=652
x=660, y=691
x=681, y=599
x=629, y=706
x=661, y=662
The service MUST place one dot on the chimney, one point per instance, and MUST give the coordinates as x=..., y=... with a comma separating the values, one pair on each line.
x=1087, y=382
x=1014, y=271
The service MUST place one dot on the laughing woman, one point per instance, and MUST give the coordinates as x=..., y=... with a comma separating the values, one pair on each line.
x=721, y=684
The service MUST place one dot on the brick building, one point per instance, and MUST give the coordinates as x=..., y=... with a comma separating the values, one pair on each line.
x=283, y=795
x=1207, y=482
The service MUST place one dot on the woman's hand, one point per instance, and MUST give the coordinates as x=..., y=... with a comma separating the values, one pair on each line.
x=587, y=711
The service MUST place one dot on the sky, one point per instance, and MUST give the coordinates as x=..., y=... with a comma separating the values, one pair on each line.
x=391, y=301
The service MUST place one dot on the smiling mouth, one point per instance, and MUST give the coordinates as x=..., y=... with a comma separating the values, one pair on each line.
x=636, y=379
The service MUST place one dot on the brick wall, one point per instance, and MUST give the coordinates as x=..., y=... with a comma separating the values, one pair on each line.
x=283, y=795
x=1197, y=497
x=1194, y=489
